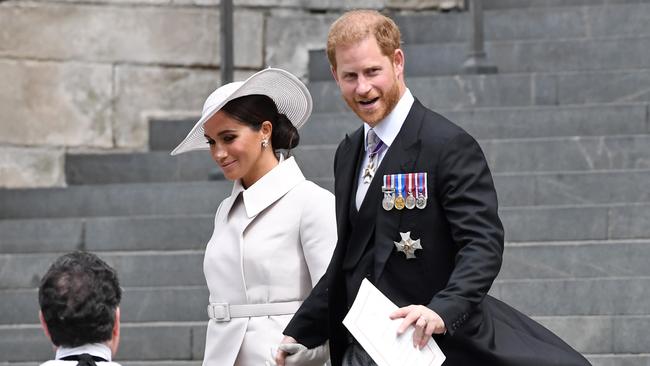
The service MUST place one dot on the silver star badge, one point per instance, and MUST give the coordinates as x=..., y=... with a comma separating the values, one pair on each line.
x=407, y=245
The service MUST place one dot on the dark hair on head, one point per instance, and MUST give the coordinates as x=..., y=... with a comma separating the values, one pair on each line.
x=78, y=297
x=254, y=109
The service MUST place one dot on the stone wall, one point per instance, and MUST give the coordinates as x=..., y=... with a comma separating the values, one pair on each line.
x=87, y=75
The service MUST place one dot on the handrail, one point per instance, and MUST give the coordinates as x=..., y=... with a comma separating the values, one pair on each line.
x=477, y=62
x=226, y=48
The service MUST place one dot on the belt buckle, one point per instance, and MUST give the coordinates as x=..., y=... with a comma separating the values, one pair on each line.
x=219, y=311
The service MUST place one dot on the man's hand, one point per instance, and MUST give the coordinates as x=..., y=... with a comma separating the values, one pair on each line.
x=281, y=355
x=425, y=321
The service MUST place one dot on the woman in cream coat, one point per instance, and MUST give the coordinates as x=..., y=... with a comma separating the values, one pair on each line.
x=274, y=235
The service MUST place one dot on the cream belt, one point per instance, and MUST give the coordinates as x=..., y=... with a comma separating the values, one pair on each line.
x=223, y=312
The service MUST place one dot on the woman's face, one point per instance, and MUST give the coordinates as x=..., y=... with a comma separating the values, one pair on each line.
x=236, y=147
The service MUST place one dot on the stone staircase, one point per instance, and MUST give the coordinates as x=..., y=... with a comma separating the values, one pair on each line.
x=565, y=127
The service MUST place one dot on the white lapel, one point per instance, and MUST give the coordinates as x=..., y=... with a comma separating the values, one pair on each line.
x=268, y=189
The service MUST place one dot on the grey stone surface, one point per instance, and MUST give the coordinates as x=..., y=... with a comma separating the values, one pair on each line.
x=630, y=221
x=156, y=342
x=567, y=260
x=23, y=343
x=143, y=91
x=30, y=236
x=19, y=306
x=556, y=121
x=517, y=56
x=114, y=200
x=118, y=34
x=186, y=303
x=573, y=188
x=585, y=296
x=602, y=334
x=503, y=90
x=31, y=167
x=53, y=103
x=619, y=360
x=135, y=269
x=568, y=154
x=166, y=134
x=288, y=40
x=554, y=223
x=504, y=122
x=526, y=155
x=601, y=87
x=503, y=4
x=185, y=232
x=143, y=304
x=147, y=344
x=137, y=167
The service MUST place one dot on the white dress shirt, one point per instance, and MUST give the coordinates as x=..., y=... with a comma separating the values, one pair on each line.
x=93, y=349
x=387, y=129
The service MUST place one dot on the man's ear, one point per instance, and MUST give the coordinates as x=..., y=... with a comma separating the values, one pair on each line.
x=115, y=339
x=398, y=61
x=333, y=70
x=44, y=325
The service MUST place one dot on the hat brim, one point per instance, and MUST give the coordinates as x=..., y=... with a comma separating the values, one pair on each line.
x=290, y=95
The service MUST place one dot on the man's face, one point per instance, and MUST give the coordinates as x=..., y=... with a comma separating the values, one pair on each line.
x=370, y=82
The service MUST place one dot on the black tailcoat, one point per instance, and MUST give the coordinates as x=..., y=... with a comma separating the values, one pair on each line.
x=462, y=240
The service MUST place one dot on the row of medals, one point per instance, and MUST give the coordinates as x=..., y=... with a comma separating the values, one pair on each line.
x=399, y=202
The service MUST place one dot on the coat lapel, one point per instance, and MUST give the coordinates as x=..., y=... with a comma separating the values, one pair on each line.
x=399, y=158
x=403, y=159
x=345, y=174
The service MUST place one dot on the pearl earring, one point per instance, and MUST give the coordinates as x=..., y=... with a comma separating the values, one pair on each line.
x=265, y=143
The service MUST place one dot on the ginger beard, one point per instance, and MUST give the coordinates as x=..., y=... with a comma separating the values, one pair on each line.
x=376, y=108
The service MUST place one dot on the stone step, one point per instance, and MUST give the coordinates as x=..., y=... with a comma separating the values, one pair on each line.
x=181, y=233
x=175, y=342
x=565, y=188
x=575, y=153
x=533, y=260
x=585, y=19
x=114, y=200
x=515, y=56
x=514, y=190
x=528, y=155
x=564, y=223
x=606, y=341
x=544, y=297
x=578, y=259
x=504, y=90
x=508, y=4
x=135, y=268
x=482, y=123
x=584, y=296
x=620, y=359
x=596, y=360
x=137, y=167
x=166, y=134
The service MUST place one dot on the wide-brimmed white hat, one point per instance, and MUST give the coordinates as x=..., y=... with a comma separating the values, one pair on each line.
x=287, y=91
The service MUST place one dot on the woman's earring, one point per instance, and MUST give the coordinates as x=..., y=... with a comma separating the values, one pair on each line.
x=265, y=143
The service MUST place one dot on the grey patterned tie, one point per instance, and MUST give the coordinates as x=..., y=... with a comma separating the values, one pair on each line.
x=374, y=147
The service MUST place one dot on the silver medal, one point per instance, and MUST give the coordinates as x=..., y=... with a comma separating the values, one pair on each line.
x=410, y=201
x=389, y=200
x=421, y=201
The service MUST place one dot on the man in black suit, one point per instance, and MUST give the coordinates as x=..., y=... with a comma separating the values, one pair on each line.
x=417, y=215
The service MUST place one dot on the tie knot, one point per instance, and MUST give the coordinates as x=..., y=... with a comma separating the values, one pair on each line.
x=373, y=140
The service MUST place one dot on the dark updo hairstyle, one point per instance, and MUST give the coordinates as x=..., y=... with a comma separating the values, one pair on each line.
x=254, y=109
x=78, y=297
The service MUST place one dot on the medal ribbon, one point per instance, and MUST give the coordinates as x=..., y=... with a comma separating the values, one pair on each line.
x=422, y=180
x=400, y=184
x=387, y=182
